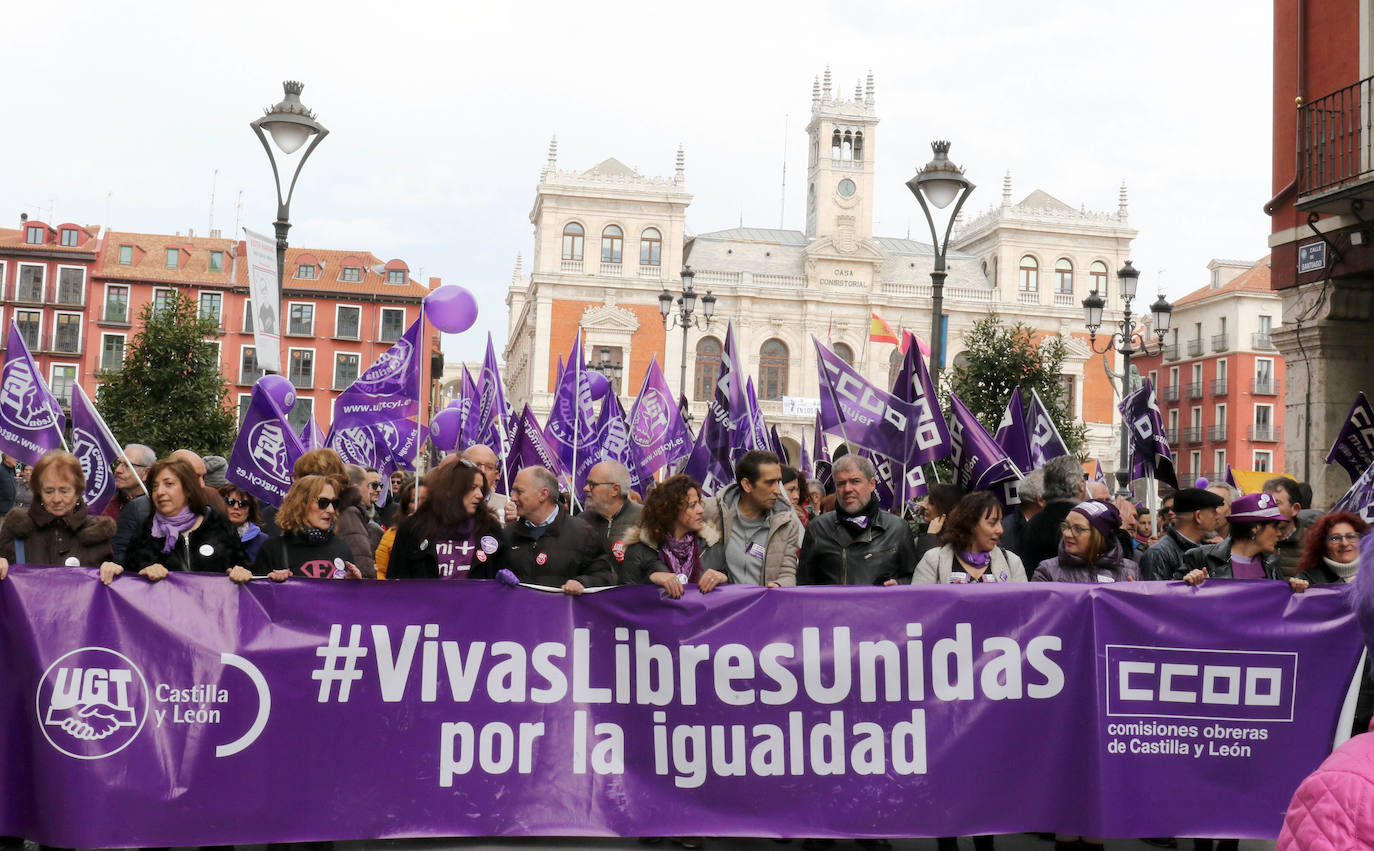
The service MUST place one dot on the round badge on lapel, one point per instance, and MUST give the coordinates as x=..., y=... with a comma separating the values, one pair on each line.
x=541, y=558
x=207, y=550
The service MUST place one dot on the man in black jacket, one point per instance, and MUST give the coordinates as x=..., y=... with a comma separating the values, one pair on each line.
x=858, y=543
x=548, y=547
x=1195, y=515
x=1063, y=490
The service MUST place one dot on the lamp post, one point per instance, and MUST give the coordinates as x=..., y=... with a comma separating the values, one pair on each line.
x=1128, y=342
x=603, y=364
x=686, y=317
x=939, y=183
x=290, y=125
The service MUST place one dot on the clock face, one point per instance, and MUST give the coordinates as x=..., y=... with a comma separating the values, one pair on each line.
x=846, y=188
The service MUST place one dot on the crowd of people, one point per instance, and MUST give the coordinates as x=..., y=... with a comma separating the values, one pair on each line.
x=771, y=527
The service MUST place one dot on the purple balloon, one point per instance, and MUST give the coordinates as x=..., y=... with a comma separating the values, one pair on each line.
x=281, y=390
x=600, y=386
x=452, y=309
x=1201, y=483
x=456, y=403
x=445, y=429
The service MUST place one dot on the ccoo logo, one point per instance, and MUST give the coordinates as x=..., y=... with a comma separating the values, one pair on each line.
x=92, y=703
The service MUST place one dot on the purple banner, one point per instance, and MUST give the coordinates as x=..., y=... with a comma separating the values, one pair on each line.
x=656, y=424
x=96, y=449
x=1045, y=442
x=389, y=389
x=1013, y=435
x=914, y=385
x=265, y=451
x=473, y=709
x=31, y=420
x=1354, y=446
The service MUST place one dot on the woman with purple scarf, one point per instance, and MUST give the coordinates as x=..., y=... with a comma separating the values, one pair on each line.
x=672, y=547
x=182, y=533
x=971, y=553
x=1089, y=548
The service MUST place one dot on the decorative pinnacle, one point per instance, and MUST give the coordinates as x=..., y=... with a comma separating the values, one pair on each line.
x=858, y=91
x=291, y=103
x=293, y=87
x=815, y=89
x=825, y=85
x=869, y=91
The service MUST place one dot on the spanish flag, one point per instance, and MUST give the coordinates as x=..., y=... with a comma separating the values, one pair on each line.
x=880, y=332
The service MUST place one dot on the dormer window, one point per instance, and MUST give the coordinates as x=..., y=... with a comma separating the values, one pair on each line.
x=126, y=255
x=351, y=274
x=216, y=261
x=305, y=271
x=395, y=276
x=69, y=237
x=173, y=258
x=33, y=235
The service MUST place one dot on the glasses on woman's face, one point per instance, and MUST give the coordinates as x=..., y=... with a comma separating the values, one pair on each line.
x=376, y=486
x=236, y=503
x=1341, y=539
x=324, y=502
x=1070, y=529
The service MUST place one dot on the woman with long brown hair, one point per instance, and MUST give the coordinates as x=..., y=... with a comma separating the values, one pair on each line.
x=452, y=535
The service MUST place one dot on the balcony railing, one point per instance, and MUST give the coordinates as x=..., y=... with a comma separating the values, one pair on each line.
x=1171, y=352
x=653, y=273
x=1265, y=387
x=1194, y=348
x=1262, y=340
x=1266, y=433
x=64, y=344
x=1334, y=138
x=572, y=267
x=1028, y=298
x=1169, y=393
x=1217, y=433
x=1064, y=299
x=1219, y=387
x=610, y=270
x=1219, y=343
x=1195, y=390
x=1192, y=434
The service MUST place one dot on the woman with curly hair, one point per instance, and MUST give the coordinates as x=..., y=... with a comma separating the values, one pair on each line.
x=672, y=547
x=307, y=545
x=1331, y=549
x=970, y=552
x=452, y=535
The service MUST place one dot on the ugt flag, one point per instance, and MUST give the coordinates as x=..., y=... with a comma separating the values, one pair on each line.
x=96, y=449
x=31, y=420
x=613, y=443
x=529, y=448
x=979, y=463
x=389, y=389
x=1354, y=446
x=656, y=425
x=265, y=452
x=1045, y=442
x=493, y=410
x=570, y=427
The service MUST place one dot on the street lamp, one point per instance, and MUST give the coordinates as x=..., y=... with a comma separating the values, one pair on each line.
x=685, y=317
x=603, y=364
x=939, y=183
x=290, y=125
x=1128, y=342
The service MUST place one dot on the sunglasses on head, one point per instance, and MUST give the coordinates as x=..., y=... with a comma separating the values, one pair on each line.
x=325, y=502
x=236, y=503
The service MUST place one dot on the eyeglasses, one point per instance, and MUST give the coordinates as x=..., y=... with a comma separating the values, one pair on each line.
x=324, y=503
x=1340, y=539
x=120, y=463
x=238, y=503
x=376, y=486
x=592, y=484
x=1074, y=530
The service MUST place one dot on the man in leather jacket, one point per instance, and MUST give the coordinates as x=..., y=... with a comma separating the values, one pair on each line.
x=858, y=543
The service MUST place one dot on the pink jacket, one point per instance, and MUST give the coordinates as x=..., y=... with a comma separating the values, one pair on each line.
x=1334, y=806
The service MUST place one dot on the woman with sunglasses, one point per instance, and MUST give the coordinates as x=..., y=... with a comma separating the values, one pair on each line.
x=1089, y=548
x=243, y=514
x=452, y=534
x=307, y=545
x=1251, y=552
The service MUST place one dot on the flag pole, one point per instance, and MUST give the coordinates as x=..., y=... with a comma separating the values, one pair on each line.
x=420, y=359
x=105, y=429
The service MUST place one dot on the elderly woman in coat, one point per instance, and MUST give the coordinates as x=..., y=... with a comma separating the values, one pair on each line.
x=58, y=529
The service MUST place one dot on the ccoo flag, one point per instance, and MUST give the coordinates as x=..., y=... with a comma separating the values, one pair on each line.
x=1012, y=434
x=656, y=425
x=1150, y=455
x=711, y=461
x=96, y=449
x=31, y=420
x=867, y=416
x=1360, y=497
x=1354, y=446
x=979, y=463
x=265, y=451
x=914, y=385
x=1045, y=442
x=820, y=459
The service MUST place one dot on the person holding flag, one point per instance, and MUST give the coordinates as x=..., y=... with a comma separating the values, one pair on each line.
x=58, y=529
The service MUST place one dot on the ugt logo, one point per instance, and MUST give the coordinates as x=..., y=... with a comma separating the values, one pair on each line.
x=20, y=398
x=387, y=374
x=92, y=703
x=268, y=450
x=93, y=465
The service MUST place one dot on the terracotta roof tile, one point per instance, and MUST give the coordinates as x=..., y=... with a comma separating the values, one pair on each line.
x=330, y=274
x=150, y=259
x=17, y=239
x=1252, y=280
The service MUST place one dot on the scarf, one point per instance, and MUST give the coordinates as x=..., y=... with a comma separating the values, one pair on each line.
x=1110, y=559
x=682, y=556
x=317, y=536
x=860, y=520
x=248, y=531
x=974, y=559
x=1346, y=572
x=170, y=528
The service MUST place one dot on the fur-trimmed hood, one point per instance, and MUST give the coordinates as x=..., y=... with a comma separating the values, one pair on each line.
x=710, y=536
x=24, y=522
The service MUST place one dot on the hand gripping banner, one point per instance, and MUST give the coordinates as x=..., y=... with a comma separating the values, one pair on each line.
x=165, y=712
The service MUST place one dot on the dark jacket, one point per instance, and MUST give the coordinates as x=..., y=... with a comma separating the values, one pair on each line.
x=413, y=556
x=253, y=543
x=53, y=540
x=1014, y=525
x=1364, y=702
x=352, y=527
x=1165, y=556
x=615, y=529
x=642, y=561
x=131, y=519
x=1109, y=567
x=1216, y=560
x=830, y=555
x=294, y=552
x=212, y=547
x=568, y=549
x=1040, y=538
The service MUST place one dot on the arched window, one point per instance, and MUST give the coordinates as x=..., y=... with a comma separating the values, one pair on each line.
x=847, y=146
x=846, y=354
x=773, y=370
x=894, y=366
x=858, y=146
x=707, y=369
x=1098, y=272
x=650, y=247
x=835, y=145
x=1029, y=280
x=1063, y=276
x=572, y=241
x=612, y=240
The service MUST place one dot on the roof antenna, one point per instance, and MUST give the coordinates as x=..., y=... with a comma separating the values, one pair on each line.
x=214, y=179
x=238, y=209
x=782, y=200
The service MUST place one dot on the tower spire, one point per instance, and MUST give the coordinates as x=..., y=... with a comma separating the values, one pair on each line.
x=815, y=90
x=551, y=167
x=1121, y=204
x=1006, y=189
x=681, y=164
x=825, y=86
x=868, y=91
x=518, y=273
x=858, y=91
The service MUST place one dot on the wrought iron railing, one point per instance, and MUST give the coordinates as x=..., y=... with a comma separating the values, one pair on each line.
x=1334, y=138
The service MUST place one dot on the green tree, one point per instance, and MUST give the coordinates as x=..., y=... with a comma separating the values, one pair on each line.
x=997, y=358
x=170, y=393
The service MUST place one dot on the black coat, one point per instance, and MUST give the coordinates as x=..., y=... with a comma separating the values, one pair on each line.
x=830, y=555
x=1040, y=537
x=568, y=549
x=1216, y=560
x=1165, y=556
x=294, y=552
x=413, y=555
x=212, y=547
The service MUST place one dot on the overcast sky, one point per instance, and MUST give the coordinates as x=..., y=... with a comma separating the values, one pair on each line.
x=440, y=116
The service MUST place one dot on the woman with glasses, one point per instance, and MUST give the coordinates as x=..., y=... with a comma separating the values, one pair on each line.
x=1331, y=550
x=970, y=551
x=1089, y=548
x=57, y=529
x=182, y=533
x=452, y=534
x=1251, y=552
x=243, y=513
x=307, y=545
x=350, y=525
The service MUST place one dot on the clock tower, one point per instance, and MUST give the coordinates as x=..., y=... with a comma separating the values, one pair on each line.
x=839, y=174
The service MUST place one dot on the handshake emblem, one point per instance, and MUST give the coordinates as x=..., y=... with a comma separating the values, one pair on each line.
x=92, y=702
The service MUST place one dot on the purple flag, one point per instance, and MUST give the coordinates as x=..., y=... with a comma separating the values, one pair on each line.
x=1098, y=476
x=265, y=451
x=389, y=389
x=867, y=416
x=470, y=404
x=1354, y=446
x=570, y=428
x=389, y=445
x=899, y=488
x=979, y=463
x=1045, y=442
x=613, y=443
x=96, y=449
x=1231, y=477
x=310, y=437
x=529, y=448
x=1360, y=497
x=805, y=457
x=493, y=410
x=31, y=420
x=712, y=459
x=775, y=444
x=821, y=459
x=913, y=384
x=1012, y=434
x=757, y=436
x=656, y=425
x=1150, y=453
